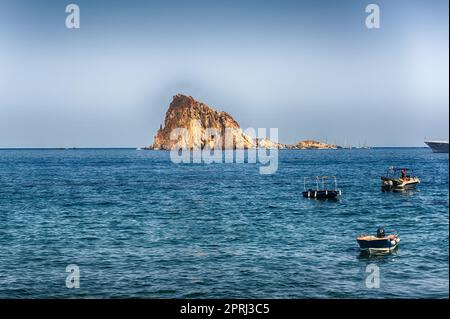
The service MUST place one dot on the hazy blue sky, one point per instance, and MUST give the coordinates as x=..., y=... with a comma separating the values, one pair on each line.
x=310, y=68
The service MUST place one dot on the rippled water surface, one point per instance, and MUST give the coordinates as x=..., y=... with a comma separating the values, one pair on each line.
x=138, y=225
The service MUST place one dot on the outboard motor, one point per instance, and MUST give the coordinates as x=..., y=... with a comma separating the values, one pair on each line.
x=380, y=233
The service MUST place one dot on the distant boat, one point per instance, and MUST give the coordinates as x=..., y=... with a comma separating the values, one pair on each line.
x=438, y=146
x=347, y=146
x=364, y=146
x=138, y=149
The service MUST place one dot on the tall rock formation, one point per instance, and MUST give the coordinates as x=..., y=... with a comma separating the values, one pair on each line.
x=188, y=121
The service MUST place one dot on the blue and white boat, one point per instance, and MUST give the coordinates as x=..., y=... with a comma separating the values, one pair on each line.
x=378, y=243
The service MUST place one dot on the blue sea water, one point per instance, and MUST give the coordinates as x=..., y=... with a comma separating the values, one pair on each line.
x=138, y=225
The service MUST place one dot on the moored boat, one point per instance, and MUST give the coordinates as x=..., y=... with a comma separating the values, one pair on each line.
x=378, y=243
x=399, y=179
x=321, y=191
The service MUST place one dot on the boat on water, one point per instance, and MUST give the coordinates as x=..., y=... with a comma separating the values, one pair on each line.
x=379, y=243
x=364, y=146
x=438, y=146
x=322, y=190
x=399, y=180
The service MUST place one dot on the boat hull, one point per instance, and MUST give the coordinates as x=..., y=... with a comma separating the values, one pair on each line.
x=378, y=244
x=399, y=185
x=438, y=146
x=322, y=194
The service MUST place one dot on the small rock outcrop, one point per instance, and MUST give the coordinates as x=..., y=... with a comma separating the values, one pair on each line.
x=312, y=144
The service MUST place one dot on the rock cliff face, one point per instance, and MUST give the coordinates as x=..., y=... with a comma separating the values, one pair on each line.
x=188, y=120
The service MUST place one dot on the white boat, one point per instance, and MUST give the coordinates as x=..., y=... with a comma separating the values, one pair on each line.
x=438, y=146
x=392, y=182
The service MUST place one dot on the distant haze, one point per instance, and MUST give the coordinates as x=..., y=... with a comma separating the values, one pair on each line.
x=310, y=68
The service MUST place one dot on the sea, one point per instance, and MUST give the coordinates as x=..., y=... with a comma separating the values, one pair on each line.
x=124, y=223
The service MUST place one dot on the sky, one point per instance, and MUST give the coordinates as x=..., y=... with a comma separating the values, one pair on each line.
x=311, y=68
